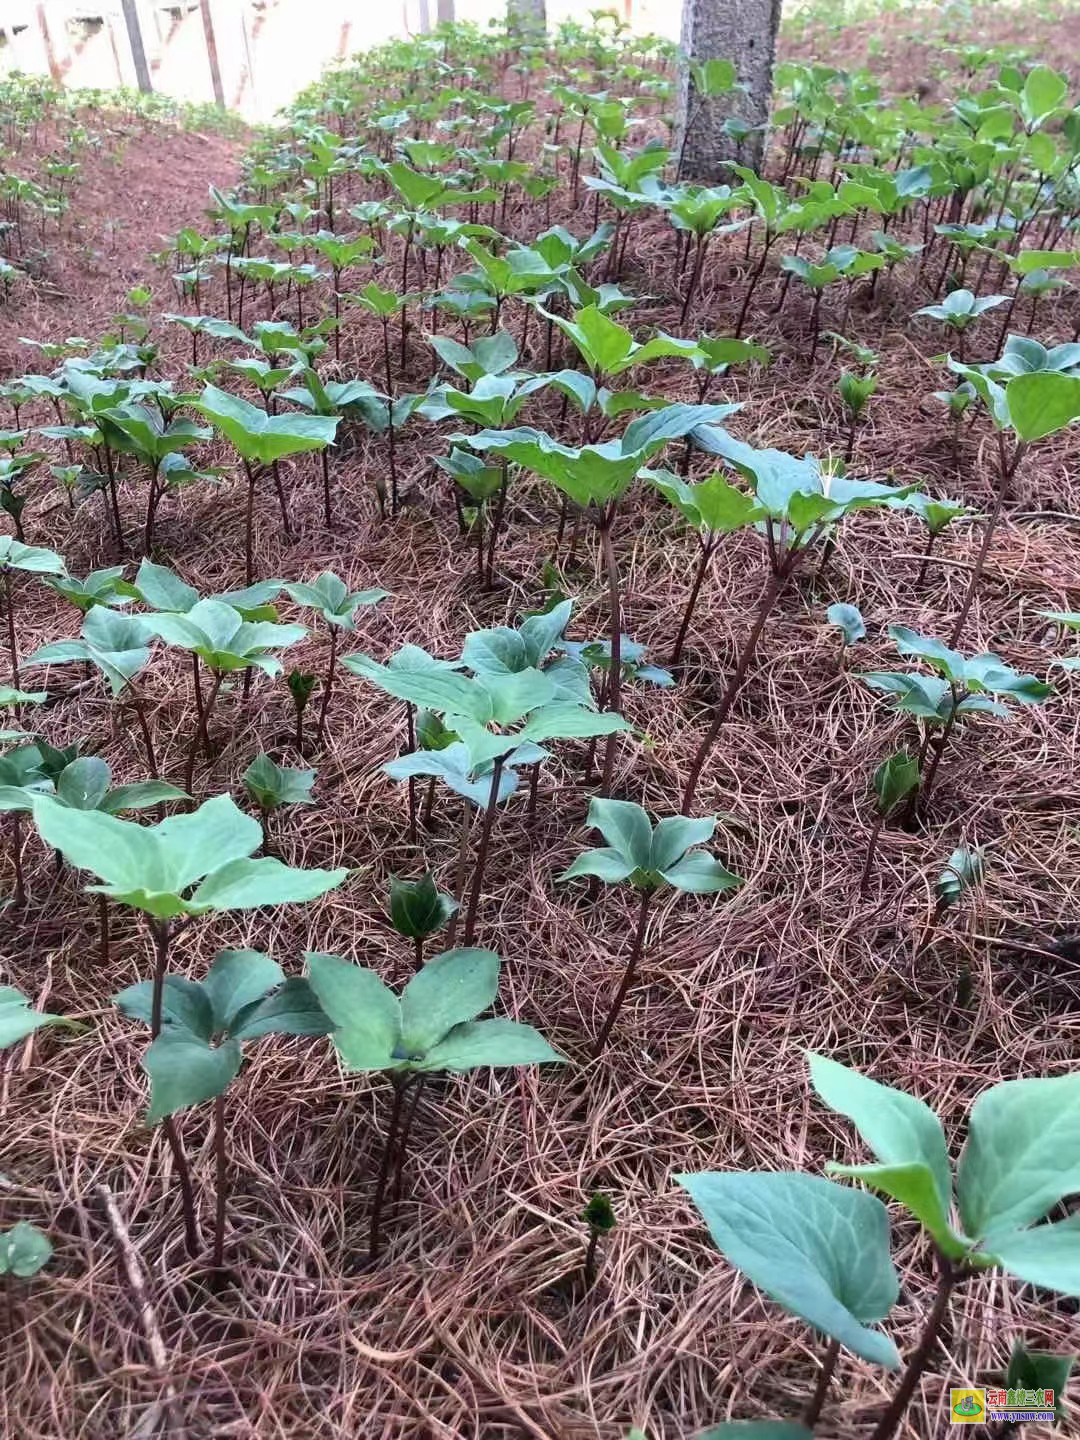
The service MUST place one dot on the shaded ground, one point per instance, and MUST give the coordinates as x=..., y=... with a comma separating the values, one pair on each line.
x=471, y=1326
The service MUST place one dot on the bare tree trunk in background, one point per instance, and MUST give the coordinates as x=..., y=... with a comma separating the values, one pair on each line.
x=445, y=12
x=526, y=15
x=744, y=32
x=425, y=16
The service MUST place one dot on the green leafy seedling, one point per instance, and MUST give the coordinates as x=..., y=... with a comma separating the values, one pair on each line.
x=895, y=781
x=198, y=1050
x=418, y=908
x=431, y=1029
x=599, y=1216
x=649, y=857
x=262, y=440
x=961, y=686
x=301, y=687
x=272, y=786
x=24, y=1250
x=331, y=597
x=15, y=557
x=849, y=621
x=218, y=635
x=1006, y=1183
x=182, y=868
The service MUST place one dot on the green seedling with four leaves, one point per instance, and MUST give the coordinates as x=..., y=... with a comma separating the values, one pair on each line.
x=198, y=1049
x=649, y=857
x=431, y=1029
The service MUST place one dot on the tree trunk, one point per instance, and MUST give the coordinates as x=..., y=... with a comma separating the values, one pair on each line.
x=744, y=32
x=445, y=12
x=526, y=15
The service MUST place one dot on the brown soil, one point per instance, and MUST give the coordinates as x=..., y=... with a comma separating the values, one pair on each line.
x=471, y=1325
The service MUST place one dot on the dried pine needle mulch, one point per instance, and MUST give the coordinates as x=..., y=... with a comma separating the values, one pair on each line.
x=473, y=1324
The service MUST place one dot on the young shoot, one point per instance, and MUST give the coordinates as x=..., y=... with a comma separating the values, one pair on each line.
x=431, y=1029
x=649, y=857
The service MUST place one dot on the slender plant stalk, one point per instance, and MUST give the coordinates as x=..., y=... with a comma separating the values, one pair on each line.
x=871, y=851
x=418, y=953
x=920, y=579
x=400, y=1085
x=707, y=548
x=629, y=974
x=15, y=825
x=496, y=525
x=1007, y=468
x=482, y=852
x=331, y=669
x=249, y=525
x=615, y=621
x=812, y=1413
x=887, y=1425
x=202, y=732
x=410, y=730
x=588, y=1270
x=462, y=865
x=222, y=1168
x=766, y=604
x=114, y=500
x=328, y=514
x=161, y=933
x=139, y=706
x=103, y=926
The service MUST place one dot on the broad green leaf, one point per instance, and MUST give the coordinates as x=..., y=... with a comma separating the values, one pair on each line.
x=1042, y=403
x=237, y=979
x=185, y=1071
x=84, y=783
x=128, y=857
x=818, y=1249
x=455, y=767
x=415, y=676
x=24, y=1250
x=364, y=1012
x=674, y=835
x=849, y=621
x=1022, y=1153
x=562, y=720
x=263, y=438
x=452, y=988
x=215, y=834
x=140, y=795
x=17, y=1019
x=291, y=1010
x=603, y=863
x=626, y=827
x=902, y=1132
x=249, y=884
x=489, y=1042
x=1044, y=90
x=1045, y=1255
x=185, y=1005
x=894, y=780
x=700, y=874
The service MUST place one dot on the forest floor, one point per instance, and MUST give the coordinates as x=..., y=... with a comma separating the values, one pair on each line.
x=473, y=1325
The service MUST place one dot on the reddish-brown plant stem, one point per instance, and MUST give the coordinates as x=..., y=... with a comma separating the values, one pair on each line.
x=471, y=913
x=629, y=974
x=614, y=689
x=766, y=604
x=947, y=1279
